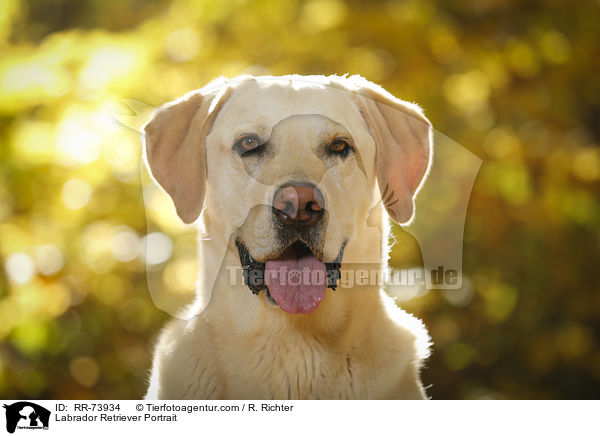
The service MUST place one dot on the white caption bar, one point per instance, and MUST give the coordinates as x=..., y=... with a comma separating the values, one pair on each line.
x=298, y=417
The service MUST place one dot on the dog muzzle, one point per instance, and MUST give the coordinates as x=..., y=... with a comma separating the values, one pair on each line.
x=296, y=280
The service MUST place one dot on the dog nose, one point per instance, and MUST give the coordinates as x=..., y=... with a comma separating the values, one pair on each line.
x=299, y=204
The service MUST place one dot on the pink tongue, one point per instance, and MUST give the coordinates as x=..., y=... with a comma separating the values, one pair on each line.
x=297, y=284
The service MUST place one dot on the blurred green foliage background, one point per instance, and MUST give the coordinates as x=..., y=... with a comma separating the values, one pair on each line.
x=516, y=82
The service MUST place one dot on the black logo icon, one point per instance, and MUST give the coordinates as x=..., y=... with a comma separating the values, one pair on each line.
x=26, y=415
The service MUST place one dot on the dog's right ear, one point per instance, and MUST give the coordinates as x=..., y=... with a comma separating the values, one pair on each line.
x=174, y=148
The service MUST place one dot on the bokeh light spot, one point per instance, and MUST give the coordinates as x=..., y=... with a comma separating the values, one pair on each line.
x=157, y=248
x=48, y=259
x=467, y=90
x=76, y=193
x=20, y=268
x=555, y=47
x=319, y=15
x=586, y=164
x=85, y=371
x=182, y=44
x=501, y=143
x=30, y=337
x=125, y=244
x=459, y=355
x=522, y=58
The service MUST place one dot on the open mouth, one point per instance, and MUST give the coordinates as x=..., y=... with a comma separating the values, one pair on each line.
x=296, y=280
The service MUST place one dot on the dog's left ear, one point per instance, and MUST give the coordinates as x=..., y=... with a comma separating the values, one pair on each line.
x=403, y=137
x=174, y=144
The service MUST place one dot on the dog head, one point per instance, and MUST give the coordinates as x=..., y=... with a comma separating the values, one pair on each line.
x=290, y=167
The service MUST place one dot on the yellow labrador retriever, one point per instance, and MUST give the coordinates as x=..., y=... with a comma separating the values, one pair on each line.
x=289, y=177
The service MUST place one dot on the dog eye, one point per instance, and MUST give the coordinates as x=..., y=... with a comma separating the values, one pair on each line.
x=247, y=144
x=340, y=146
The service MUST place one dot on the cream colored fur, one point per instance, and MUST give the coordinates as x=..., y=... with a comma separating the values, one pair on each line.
x=231, y=344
